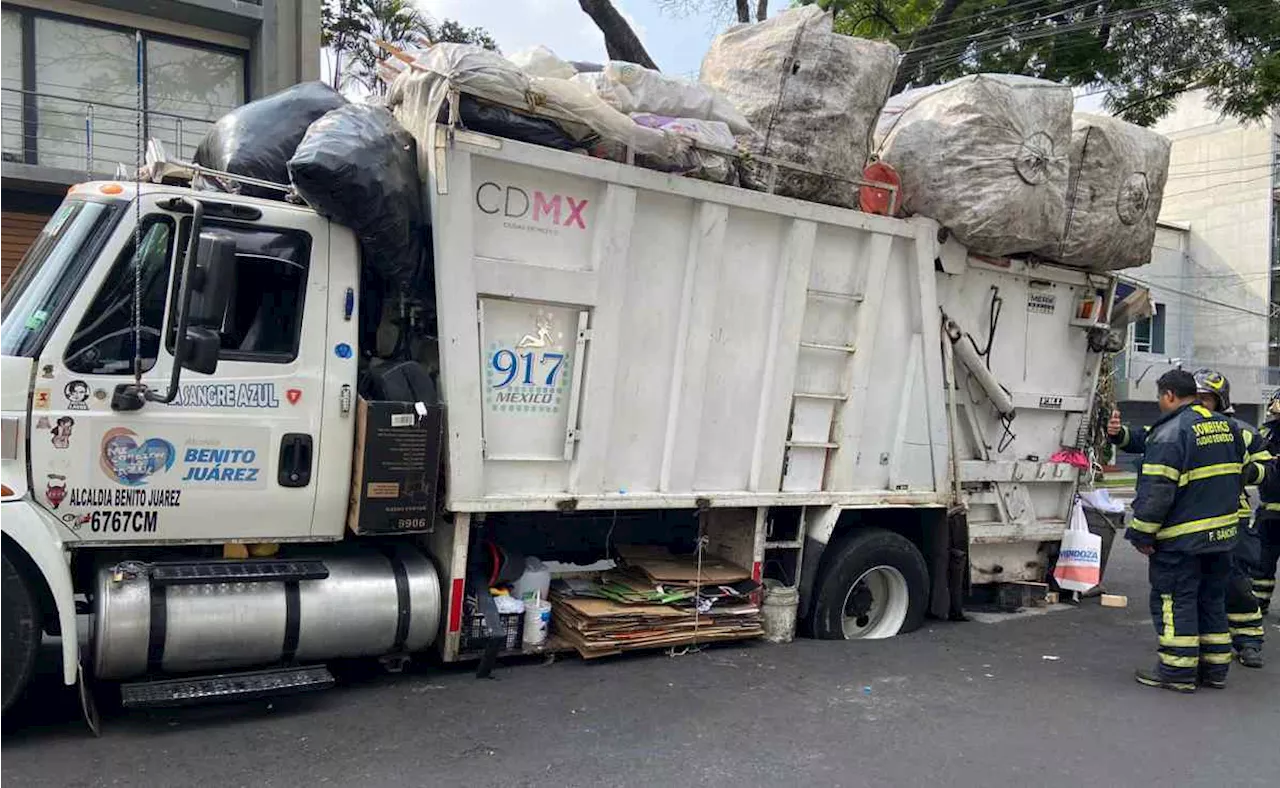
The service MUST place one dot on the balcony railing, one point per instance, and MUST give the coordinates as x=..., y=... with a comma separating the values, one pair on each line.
x=87, y=136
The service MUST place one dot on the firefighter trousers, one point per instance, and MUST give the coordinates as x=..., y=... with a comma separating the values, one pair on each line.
x=1244, y=615
x=1264, y=574
x=1189, y=608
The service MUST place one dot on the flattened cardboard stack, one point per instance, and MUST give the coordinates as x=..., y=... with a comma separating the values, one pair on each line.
x=653, y=600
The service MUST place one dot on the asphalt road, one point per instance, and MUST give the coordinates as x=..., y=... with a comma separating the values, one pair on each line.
x=1041, y=700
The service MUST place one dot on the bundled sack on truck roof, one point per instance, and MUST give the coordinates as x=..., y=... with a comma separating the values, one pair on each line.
x=421, y=89
x=811, y=95
x=1118, y=173
x=257, y=139
x=694, y=163
x=540, y=61
x=985, y=156
x=631, y=88
x=358, y=167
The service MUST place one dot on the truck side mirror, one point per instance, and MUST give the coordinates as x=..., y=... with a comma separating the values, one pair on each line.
x=213, y=280
x=200, y=353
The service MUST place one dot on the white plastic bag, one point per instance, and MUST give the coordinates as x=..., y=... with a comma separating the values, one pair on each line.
x=1079, y=565
x=1101, y=500
x=542, y=62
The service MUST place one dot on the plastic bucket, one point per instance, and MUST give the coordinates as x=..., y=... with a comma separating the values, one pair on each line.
x=537, y=621
x=778, y=613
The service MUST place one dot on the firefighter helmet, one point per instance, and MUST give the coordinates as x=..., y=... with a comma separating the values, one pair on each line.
x=1273, y=404
x=1210, y=381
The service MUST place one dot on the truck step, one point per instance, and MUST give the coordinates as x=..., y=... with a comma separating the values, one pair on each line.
x=252, y=570
x=830, y=347
x=225, y=686
x=813, y=445
x=835, y=295
x=819, y=395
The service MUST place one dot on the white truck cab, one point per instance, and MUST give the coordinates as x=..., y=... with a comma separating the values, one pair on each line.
x=619, y=351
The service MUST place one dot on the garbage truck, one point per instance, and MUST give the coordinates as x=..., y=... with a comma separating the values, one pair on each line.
x=196, y=466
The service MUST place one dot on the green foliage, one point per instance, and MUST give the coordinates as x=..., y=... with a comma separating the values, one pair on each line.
x=1141, y=54
x=351, y=30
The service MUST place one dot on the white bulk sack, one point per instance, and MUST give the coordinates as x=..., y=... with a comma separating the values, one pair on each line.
x=986, y=157
x=630, y=88
x=540, y=61
x=1118, y=173
x=811, y=95
x=420, y=90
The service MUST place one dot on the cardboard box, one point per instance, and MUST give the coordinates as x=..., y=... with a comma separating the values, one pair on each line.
x=396, y=472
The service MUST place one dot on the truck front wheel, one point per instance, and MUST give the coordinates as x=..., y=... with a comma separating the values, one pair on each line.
x=874, y=584
x=21, y=633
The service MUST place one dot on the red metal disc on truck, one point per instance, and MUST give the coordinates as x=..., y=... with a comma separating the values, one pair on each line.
x=879, y=200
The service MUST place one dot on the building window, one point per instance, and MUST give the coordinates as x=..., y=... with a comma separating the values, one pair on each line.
x=79, y=107
x=84, y=84
x=187, y=89
x=11, y=82
x=1148, y=333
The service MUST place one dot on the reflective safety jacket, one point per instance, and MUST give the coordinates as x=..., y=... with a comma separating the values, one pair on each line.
x=1257, y=458
x=1188, y=493
x=1269, y=492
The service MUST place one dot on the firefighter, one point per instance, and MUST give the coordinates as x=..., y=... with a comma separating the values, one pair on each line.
x=1243, y=614
x=1186, y=521
x=1264, y=571
x=1213, y=391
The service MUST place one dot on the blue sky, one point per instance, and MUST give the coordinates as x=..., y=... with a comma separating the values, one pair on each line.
x=676, y=43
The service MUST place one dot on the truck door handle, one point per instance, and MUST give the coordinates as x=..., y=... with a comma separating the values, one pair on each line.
x=295, y=460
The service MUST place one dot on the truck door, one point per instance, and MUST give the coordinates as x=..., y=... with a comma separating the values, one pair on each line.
x=231, y=458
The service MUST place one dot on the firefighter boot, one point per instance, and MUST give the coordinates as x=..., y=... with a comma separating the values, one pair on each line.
x=1149, y=677
x=1250, y=657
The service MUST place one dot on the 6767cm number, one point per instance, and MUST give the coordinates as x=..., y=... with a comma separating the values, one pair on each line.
x=124, y=522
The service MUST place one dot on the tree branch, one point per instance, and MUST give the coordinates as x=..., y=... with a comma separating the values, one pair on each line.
x=620, y=41
x=923, y=37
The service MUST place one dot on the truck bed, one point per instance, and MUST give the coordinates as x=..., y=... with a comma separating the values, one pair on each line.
x=613, y=337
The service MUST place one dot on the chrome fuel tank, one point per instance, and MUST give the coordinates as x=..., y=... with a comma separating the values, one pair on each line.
x=370, y=604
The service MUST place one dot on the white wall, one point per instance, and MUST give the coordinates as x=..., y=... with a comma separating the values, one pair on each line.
x=1220, y=187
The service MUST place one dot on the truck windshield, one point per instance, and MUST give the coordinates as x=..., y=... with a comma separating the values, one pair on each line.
x=51, y=272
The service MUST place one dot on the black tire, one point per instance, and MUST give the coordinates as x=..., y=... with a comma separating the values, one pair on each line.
x=848, y=560
x=21, y=633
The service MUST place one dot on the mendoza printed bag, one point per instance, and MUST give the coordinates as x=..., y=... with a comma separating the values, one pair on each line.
x=1079, y=565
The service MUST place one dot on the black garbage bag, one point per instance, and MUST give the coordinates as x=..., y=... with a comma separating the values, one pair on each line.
x=503, y=122
x=256, y=140
x=358, y=166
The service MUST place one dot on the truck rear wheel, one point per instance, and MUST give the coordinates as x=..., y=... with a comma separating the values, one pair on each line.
x=21, y=633
x=874, y=584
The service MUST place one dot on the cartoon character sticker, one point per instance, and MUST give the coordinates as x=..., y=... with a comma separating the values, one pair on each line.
x=55, y=489
x=130, y=462
x=62, y=432
x=77, y=392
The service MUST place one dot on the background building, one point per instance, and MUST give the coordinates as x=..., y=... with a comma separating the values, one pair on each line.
x=1214, y=275
x=70, y=86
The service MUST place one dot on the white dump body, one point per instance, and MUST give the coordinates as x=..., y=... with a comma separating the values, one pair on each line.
x=615, y=337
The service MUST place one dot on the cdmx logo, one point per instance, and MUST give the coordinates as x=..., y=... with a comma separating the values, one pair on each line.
x=512, y=202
